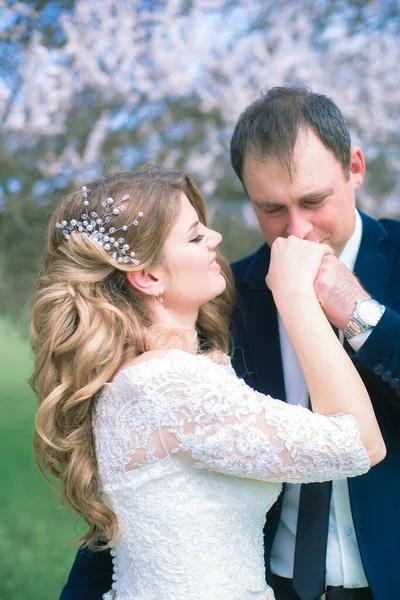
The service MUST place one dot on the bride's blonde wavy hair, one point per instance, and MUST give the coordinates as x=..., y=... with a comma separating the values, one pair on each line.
x=87, y=320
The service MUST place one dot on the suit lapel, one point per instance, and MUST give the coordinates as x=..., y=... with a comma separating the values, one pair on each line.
x=374, y=259
x=261, y=323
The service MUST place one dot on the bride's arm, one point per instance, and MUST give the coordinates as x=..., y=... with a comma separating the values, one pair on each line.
x=333, y=382
x=189, y=407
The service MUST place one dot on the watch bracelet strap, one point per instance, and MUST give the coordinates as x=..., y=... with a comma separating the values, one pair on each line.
x=354, y=328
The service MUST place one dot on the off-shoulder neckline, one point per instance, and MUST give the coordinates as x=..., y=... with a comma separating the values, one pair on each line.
x=158, y=359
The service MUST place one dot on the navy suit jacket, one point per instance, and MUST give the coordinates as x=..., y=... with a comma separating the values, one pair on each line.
x=375, y=496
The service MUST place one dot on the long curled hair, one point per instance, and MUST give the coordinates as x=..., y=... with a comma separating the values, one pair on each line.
x=87, y=320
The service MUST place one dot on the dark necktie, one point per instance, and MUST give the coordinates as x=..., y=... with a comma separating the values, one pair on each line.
x=311, y=539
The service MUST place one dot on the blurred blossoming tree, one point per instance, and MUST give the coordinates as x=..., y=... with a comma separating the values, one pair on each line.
x=88, y=86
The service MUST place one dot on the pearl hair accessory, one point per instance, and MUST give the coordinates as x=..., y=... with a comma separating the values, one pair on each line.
x=93, y=227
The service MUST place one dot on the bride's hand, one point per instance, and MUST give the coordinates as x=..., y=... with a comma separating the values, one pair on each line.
x=294, y=264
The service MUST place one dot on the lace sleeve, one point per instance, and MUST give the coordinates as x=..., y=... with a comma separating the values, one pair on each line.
x=188, y=406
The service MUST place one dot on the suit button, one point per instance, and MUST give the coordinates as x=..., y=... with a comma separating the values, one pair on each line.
x=395, y=383
x=378, y=369
x=386, y=376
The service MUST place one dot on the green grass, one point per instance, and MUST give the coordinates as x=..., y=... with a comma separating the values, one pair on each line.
x=34, y=562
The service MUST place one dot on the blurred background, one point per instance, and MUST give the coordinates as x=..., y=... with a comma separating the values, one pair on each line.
x=89, y=86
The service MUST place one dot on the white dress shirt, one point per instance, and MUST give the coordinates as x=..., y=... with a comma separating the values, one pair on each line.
x=343, y=562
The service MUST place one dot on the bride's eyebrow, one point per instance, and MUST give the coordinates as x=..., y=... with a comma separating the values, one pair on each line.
x=192, y=226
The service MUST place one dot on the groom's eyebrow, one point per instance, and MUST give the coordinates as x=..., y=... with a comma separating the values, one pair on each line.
x=265, y=204
x=314, y=194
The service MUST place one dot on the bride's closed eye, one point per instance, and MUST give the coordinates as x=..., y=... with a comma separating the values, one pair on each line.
x=198, y=238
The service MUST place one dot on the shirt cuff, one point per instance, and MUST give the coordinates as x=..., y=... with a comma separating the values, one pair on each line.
x=358, y=340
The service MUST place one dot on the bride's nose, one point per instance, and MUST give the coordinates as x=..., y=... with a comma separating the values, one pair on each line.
x=213, y=238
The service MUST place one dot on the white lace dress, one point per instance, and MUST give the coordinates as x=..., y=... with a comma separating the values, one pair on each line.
x=191, y=459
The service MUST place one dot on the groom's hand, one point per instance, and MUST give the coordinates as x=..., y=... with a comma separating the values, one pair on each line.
x=294, y=264
x=337, y=290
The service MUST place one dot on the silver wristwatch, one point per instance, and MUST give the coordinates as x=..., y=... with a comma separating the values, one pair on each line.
x=366, y=315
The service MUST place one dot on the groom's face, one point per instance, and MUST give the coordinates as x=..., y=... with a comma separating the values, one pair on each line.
x=315, y=202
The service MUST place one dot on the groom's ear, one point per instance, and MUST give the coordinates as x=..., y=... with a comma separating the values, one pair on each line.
x=357, y=167
x=146, y=282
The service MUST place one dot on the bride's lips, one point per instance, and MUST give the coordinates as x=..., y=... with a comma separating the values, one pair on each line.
x=213, y=265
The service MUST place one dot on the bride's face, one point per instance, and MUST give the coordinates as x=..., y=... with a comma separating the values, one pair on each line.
x=191, y=274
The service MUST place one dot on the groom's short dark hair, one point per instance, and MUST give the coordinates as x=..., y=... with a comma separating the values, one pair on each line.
x=269, y=127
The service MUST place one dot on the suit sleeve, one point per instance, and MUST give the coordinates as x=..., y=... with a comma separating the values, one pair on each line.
x=90, y=576
x=380, y=355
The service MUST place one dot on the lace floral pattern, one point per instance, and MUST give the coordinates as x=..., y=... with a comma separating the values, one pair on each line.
x=191, y=459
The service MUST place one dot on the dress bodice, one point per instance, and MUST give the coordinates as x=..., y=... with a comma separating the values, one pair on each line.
x=191, y=459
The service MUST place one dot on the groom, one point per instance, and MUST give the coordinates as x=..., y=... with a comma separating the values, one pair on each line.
x=291, y=149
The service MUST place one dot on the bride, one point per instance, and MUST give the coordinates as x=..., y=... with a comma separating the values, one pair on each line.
x=170, y=458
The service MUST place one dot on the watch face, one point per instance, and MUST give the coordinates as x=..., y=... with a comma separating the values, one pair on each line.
x=370, y=311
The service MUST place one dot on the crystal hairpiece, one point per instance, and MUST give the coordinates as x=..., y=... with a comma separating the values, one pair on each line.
x=93, y=227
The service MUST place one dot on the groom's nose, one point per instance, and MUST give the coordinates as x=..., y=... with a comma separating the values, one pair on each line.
x=299, y=223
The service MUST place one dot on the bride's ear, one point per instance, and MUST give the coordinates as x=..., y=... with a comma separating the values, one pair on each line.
x=146, y=282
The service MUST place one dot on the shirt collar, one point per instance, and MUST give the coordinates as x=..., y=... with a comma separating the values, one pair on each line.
x=349, y=253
